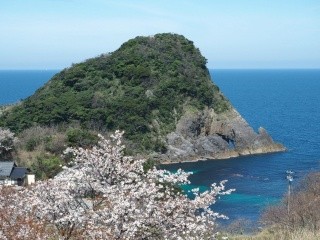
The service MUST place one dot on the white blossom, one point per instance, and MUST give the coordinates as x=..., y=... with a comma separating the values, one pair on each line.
x=106, y=195
x=7, y=141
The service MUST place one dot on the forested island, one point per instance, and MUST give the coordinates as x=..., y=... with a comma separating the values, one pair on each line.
x=157, y=89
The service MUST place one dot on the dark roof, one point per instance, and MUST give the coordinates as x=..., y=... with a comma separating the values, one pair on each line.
x=18, y=172
x=6, y=168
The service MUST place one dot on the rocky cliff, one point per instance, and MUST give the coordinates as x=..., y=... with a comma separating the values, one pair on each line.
x=207, y=135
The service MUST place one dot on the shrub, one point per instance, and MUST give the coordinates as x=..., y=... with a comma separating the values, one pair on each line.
x=31, y=144
x=81, y=138
x=303, y=211
x=46, y=167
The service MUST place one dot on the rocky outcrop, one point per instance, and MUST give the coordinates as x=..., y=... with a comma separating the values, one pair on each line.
x=208, y=135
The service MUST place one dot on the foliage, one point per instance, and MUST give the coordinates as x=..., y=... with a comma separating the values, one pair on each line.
x=81, y=138
x=46, y=166
x=149, y=164
x=40, y=148
x=106, y=195
x=36, y=137
x=147, y=79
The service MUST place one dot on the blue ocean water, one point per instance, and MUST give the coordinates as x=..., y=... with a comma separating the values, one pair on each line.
x=16, y=85
x=285, y=102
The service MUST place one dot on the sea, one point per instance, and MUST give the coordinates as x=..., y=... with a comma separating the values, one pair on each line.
x=286, y=102
x=16, y=85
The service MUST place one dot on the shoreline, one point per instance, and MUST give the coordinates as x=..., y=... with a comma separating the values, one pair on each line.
x=227, y=155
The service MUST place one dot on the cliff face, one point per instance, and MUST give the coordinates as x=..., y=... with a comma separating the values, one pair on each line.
x=208, y=135
x=158, y=90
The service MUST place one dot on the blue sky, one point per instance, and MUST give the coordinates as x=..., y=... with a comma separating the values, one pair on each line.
x=53, y=34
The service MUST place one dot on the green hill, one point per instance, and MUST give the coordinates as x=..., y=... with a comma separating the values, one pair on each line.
x=144, y=88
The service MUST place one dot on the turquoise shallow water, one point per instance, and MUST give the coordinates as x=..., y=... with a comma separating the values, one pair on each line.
x=285, y=102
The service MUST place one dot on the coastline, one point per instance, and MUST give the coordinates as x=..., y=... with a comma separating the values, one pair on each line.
x=276, y=148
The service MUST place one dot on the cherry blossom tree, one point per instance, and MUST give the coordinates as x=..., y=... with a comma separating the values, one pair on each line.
x=7, y=141
x=107, y=195
x=18, y=220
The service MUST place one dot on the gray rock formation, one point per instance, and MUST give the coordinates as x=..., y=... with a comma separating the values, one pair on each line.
x=208, y=135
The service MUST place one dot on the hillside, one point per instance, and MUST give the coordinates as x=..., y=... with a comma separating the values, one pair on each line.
x=158, y=90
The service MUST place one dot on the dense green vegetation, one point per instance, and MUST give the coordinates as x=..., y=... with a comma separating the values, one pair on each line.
x=141, y=88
